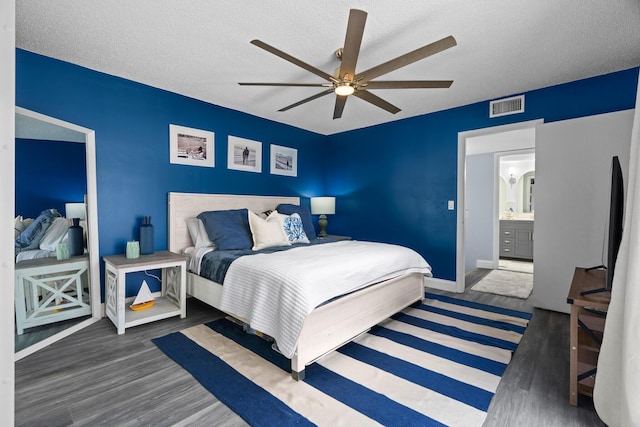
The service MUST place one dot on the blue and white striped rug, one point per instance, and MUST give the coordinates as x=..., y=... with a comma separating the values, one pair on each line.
x=437, y=364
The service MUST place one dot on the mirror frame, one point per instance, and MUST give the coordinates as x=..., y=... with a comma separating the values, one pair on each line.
x=92, y=224
x=526, y=190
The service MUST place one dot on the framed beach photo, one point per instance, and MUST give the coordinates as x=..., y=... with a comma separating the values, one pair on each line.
x=192, y=147
x=244, y=154
x=284, y=160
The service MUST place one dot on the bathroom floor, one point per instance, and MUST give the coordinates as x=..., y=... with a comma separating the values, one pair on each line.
x=514, y=265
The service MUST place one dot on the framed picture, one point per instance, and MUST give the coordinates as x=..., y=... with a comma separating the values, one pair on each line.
x=284, y=160
x=192, y=147
x=244, y=154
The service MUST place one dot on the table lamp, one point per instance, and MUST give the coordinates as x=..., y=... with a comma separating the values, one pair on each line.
x=323, y=206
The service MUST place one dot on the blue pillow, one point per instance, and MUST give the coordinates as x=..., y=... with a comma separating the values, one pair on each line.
x=30, y=238
x=305, y=215
x=228, y=229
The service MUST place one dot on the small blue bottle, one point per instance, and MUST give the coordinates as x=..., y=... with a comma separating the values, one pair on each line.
x=146, y=236
x=75, y=239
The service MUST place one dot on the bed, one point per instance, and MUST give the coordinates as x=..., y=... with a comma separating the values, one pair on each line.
x=329, y=325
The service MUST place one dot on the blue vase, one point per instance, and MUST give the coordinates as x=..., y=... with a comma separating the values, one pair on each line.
x=146, y=236
x=75, y=240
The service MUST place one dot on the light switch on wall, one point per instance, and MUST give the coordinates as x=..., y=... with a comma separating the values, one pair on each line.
x=451, y=205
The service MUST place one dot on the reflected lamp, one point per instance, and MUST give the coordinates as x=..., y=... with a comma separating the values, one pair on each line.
x=75, y=210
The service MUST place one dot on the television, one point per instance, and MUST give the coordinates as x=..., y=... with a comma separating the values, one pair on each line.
x=614, y=229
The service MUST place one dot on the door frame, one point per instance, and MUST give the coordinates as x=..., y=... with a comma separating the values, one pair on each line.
x=462, y=153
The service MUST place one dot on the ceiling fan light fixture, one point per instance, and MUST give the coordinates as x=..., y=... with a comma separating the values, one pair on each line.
x=344, y=89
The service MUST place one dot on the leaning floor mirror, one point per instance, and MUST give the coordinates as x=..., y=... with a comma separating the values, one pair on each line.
x=57, y=272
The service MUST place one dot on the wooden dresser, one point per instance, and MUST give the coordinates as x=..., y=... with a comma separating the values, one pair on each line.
x=588, y=314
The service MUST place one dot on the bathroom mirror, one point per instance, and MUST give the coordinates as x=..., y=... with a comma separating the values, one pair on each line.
x=516, y=186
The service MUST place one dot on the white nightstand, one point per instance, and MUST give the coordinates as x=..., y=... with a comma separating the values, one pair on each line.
x=169, y=302
x=48, y=290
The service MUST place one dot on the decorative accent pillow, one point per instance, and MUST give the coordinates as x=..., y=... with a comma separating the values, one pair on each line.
x=228, y=229
x=56, y=233
x=293, y=228
x=305, y=215
x=268, y=232
x=198, y=233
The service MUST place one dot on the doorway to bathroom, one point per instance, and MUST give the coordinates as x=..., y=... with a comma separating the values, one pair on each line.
x=479, y=206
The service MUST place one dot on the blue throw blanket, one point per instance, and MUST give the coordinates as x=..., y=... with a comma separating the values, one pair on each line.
x=215, y=264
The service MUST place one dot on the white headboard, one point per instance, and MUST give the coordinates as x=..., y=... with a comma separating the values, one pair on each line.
x=189, y=205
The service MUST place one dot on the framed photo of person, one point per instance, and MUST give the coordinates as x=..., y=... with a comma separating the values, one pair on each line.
x=244, y=154
x=284, y=160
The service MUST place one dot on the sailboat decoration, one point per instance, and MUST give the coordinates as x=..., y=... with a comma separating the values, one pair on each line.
x=144, y=299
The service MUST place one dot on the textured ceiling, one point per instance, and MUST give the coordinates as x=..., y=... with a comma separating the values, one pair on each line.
x=201, y=48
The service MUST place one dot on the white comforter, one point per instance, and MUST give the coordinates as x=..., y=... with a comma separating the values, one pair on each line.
x=275, y=292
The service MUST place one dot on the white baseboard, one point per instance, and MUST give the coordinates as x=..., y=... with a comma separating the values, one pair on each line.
x=485, y=263
x=441, y=284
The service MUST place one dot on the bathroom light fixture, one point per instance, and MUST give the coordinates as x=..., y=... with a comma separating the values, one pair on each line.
x=512, y=180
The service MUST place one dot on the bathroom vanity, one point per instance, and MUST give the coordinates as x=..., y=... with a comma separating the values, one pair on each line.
x=516, y=239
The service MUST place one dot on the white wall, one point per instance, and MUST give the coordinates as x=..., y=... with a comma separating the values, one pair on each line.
x=573, y=160
x=7, y=151
x=479, y=209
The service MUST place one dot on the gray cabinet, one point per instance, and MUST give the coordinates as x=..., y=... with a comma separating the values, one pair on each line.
x=516, y=239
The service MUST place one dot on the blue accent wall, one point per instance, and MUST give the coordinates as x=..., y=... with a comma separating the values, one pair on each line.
x=392, y=181
x=48, y=175
x=131, y=124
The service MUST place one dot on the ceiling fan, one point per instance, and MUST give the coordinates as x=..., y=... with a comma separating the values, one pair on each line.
x=346, y=82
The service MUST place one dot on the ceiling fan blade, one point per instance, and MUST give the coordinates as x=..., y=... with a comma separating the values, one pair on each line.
x=406, y=59
x=352, y=42
x=409, y=84
x=340, y=102
x=287, y=84
x=376, y=100
x=293, y=60
x=311, y=98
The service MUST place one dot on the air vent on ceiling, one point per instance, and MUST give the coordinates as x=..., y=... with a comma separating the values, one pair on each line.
x=505, y=106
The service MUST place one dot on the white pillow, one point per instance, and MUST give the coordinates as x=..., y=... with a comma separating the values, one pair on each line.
x=267, y=232
x=293, y=229
x=55, y=234
x=198, y=233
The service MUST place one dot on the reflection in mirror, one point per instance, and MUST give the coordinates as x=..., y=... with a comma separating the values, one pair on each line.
x=55, y=169
x=528, y=199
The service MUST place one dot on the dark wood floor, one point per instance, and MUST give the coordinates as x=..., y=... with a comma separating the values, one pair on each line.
x=96, y=377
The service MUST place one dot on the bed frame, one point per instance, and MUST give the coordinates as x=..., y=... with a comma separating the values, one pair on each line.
x=329, y=326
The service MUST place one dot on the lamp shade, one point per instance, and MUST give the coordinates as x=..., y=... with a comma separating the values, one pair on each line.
x=323, y=205
x=75, y=210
